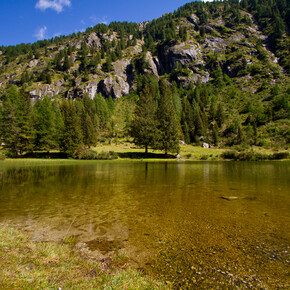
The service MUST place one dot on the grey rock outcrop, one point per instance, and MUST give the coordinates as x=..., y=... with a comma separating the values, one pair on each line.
x=91, y=89
x=114, y=87
x=153, y=64
x=186, y=53
x=94, y=40
x=45, y=90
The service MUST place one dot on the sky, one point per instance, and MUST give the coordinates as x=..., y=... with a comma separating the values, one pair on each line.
x=24, y=21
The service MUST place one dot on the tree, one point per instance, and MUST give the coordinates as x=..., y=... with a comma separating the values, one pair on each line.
x=66, y=63
x=144, y=124
x=107, y=66
x=102, y=111
x=45, y=129
x=167, y=129
x=16, y=121
x=71, y=135
x=89, y=137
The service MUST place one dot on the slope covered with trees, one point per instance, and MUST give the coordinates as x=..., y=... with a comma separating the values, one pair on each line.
x=209, y=72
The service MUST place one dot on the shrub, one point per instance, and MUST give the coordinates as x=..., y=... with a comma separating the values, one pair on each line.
x=85, y=153
x=280, y=155
x=204, y=157
x=230, y=154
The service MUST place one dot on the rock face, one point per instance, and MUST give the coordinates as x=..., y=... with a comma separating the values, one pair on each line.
x=114, y=86
x=153, y=63
x=184, y=53
x=91, y=89
x=94, y=40
x=45, y=90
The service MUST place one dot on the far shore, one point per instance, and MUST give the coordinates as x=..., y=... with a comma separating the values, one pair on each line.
x=127, y=151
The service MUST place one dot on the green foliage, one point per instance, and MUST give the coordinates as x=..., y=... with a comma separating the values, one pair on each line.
x=44, y=126
x=85, y=153
x=167, y=128
x=72, y=135
x=144, y=123
x=16, y=122
x=251, y=155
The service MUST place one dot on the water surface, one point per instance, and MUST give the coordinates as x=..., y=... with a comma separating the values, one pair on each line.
x=167, y=216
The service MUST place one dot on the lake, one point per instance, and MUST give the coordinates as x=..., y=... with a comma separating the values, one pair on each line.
x=167, y=217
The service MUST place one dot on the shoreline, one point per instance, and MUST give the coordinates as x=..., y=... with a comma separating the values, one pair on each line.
x=29, y=264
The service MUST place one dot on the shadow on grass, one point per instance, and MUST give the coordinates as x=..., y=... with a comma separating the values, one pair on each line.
x=143, y=155
x=45, y=155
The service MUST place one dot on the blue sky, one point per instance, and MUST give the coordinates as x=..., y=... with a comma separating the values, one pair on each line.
x=31, y=20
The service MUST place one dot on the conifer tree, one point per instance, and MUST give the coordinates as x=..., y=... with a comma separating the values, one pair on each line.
x=102, y=111
x=167, y=129
x=44, y=125
x=16, y=121
x=71, y=135
x=144, y=123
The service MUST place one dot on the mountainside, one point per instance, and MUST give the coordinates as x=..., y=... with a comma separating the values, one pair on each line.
x=227, y=64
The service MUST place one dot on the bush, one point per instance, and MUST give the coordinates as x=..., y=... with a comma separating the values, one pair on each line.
x=230, y=154
x=249, y=155
x=280, y=155
x=204, y=157
x=84, y=153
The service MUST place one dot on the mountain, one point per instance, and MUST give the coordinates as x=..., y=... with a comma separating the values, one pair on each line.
x=227, y=64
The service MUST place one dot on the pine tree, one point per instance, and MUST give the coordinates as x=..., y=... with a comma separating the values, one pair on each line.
x=66, y=63
x=71, y=135
x=89, y=137
x=9, y=123
x=44, y=125
x=144, y=124
x=102, y=111
x=167, y=129
x=89, y=132
x=16, y=122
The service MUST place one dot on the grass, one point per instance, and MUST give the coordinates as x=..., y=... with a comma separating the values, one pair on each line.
x=28, y=265
x=126, y=150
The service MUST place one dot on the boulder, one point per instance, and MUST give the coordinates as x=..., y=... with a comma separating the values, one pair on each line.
x=45, y=90
x=153, y=63
x=183, y=53
x=115, y=87
x=91, y=89
x=33, y=63
x=229, y=198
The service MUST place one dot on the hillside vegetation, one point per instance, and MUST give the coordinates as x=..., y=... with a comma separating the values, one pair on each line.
x=215, y=73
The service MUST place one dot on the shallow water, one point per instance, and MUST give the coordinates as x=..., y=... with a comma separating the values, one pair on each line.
x=169, y=217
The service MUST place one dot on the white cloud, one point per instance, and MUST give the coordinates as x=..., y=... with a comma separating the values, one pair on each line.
x=40, y=33
x=57, y=34
x=96, y=20
x=56, y=5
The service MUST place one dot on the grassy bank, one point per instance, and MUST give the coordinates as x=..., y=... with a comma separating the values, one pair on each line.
x=125, y=150
x=28, y=265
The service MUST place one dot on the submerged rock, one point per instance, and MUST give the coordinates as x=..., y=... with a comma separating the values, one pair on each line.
x=229, y=197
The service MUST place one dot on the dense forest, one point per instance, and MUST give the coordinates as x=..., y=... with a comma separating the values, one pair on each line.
x=209, y=72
